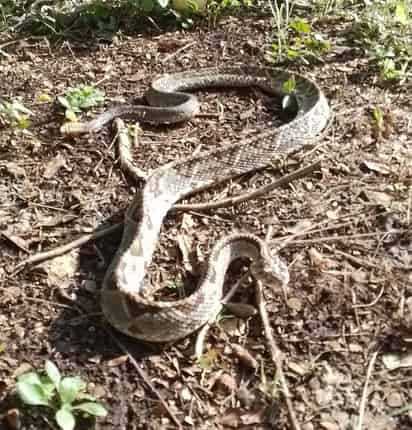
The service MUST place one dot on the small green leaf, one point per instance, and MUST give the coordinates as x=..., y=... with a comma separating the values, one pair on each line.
x=301, y=26
x=289, y=85
x=23, y=123
x=65, y=419
x=86, y=396
x=53, y=372
x=70, y=115
x=31, y=394
x=44, y=98
x=92, y=408
x=30, y=378
x=401, y=13
x=63, y=101
x=207, y=359
x=69, y=388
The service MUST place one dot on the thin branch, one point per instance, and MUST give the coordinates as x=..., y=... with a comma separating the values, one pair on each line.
x=362, y=405
x=63, y=249
x=230, y=201
x=145, y=378
x=276, y=354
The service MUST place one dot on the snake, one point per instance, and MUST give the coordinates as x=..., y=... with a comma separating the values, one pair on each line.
x=127, y=297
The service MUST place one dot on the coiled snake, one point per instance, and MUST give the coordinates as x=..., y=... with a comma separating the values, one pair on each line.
x=125, y=296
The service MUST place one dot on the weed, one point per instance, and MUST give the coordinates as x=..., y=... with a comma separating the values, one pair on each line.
x=80, y=98
x=66, y=396
x=217, y=8
x=15, y=114
x=295, y=39
x=208, y=359
x=385, y=28
x=177, y=286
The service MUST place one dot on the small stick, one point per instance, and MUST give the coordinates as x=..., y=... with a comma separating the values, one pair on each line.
x=334, y=238
x=276, y=354
x=373, y=302
x=230, y=201
x=60, y=250
x=145, y=378
x=353, y=259
x=173, y=54
x=365, y=391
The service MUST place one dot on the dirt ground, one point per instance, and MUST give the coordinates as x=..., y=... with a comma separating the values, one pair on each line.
x=345, y=324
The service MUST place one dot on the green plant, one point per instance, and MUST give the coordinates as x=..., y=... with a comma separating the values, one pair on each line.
x=289, y=102
x=385, y=28
x=77, y=99
x=295, y=39
x=66, y=396
x=15, y=114
x=216, y=8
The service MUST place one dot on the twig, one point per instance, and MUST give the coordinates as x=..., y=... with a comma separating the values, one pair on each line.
x=276, y=354
x=230, y=201
x=140, y=371
x=145, y=378
x=60, y=250
x=373, y=302
x=362, y=405
x=177, y=52
x=332, y=238
x=353, y=259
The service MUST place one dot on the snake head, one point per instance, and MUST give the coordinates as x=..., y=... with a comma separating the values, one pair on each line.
x=270, y=269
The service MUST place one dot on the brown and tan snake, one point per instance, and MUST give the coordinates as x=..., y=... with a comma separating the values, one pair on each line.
x=126, y=297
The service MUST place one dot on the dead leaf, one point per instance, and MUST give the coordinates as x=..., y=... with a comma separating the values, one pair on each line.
x=251, y=418
x=377, y=167
x=295, y=304
x=61, y=268
x=16, y=240
x=228, y=382
x=241, y=310
x=231, y=418
x=15, y=170
x=379, y=198
x=320, y=261
x=233, y=326
x=53, y=166
x=245, y=357
x=396, y=361
x=300, y=227
x=168, y=44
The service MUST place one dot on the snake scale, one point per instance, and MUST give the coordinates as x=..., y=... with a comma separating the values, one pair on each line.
x=126, y=297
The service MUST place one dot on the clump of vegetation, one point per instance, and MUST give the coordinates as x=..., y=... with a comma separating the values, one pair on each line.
x=385, y=27
x=295, y=38
x=66, y=396
x=15, y=114
x=80, y=98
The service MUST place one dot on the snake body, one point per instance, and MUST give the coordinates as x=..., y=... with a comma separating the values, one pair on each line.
x=126, y=297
